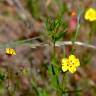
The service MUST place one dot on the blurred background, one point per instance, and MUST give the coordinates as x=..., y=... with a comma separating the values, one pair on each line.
x=23, y=22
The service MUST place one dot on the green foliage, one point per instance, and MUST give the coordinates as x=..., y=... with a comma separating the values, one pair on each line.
x=42, y=92
x=56, y=28
x=2, y=77
x=86, y=58
x=62, y=7
x=52, y=75
x=33, y=6
x=92, y=33
x=2, y=89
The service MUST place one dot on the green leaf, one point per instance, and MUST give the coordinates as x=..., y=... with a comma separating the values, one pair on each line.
x=2, y=77
x=56, y=28
x=33, y=6
x=42, y=92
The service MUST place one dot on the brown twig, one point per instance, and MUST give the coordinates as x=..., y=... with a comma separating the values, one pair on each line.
x=76, y=43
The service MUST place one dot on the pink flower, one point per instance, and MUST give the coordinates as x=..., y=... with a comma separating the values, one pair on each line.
x=72, y=24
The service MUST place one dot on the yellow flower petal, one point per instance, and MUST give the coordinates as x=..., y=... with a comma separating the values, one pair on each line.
x=64, y=68
x=70, y=64
x=65, y=63
x=74, y=61
x=72, y=57
x=10, y=51
x=90, y=14
x=64, y=60
x=77, y=62
x=72, y=69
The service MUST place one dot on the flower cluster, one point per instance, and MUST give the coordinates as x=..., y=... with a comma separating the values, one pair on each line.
x=10, y=51
x=70, y=64
x=90, y=14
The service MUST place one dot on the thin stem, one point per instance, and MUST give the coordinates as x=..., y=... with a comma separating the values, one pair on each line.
x=54, y=49
x=73, y=91
x=30, y=42
x=34, y=45
x=76, y=43
x=77, y=30
x=53, y=69
x=8, y=82
x=17, y=43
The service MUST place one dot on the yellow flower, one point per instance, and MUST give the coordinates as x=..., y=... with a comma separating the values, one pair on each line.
x=65, y=63
x=90, y=14
x=70, y=64
x=73, y=60
x=10, y=51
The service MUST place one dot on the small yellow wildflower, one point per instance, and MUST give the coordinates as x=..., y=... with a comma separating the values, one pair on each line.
x=90, y=14
x=10, y=51
x=65, y=63
x=74, y=60
x=70, y=64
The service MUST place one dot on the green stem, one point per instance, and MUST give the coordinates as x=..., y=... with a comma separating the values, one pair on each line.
x=73, y=91
x=77, y=32
x=53, y=70
x=8, y=86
